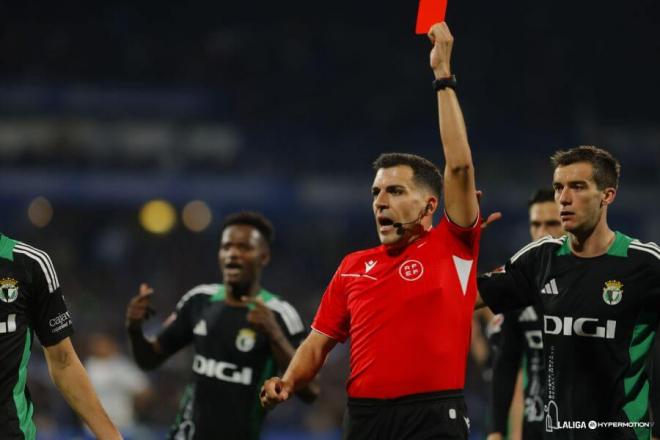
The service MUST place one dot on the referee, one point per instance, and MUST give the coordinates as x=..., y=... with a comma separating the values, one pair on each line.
x=31, y=302
x=407, y=304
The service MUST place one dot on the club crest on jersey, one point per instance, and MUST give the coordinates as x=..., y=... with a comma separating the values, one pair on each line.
x=613, y=292
x=246, y=339
x=411, y=270
x=8, y=290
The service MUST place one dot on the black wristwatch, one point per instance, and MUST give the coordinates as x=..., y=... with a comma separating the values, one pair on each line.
x=443, y=83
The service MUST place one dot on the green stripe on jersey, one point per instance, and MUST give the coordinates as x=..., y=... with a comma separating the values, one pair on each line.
x=636, y=383
x=221, y=294
x=618, y=248
x=24, y=408
x=7, y=248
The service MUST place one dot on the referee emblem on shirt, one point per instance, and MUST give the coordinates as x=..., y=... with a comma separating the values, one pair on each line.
x=613, y=292
x=411, y=270
x=8, y=290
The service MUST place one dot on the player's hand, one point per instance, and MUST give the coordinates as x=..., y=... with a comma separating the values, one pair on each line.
x=443, y=42
x=495, y=216
x=139, y=307
x=495, y=436
x=274, y=392
x=261, y=317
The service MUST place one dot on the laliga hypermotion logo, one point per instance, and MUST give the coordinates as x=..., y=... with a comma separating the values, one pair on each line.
x=8, y=290
x=613, y=292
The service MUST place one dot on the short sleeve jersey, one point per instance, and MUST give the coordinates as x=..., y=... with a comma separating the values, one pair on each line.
x=599, y=320
x=31, y=302
x=408, y=314
x=231, y=362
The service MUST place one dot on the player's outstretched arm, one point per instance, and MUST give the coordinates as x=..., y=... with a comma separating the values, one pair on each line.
x=460, y=199
x=303, y=368
x=147, y=354
x=71, y=379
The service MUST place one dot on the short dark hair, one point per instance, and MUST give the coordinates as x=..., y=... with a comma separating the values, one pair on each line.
x=541, y=196
x=424, y=171
x=254, y=219
x=606, y=168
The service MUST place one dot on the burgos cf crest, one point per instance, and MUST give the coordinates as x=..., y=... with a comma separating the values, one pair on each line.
x=246, y=339
x=8, y=290
x=613, y=292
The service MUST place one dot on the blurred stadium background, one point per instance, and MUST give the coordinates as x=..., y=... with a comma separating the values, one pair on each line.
x=280, y=107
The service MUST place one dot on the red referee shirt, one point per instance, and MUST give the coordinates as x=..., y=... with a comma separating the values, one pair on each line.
x=409, y=315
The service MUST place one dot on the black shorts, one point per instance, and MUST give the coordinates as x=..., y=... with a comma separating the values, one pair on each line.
x=439, y=415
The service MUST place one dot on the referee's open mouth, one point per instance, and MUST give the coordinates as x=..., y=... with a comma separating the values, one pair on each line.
x=385, y=223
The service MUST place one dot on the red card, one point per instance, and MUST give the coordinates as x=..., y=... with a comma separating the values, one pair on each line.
x=430, y=13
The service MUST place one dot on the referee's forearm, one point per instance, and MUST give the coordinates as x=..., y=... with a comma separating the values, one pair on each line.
x=307, y=361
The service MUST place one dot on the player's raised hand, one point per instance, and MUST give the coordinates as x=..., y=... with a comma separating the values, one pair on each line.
x=139, y=307
x=495, y=216
x=261, y=317
x=275, y=391
x=442, y=41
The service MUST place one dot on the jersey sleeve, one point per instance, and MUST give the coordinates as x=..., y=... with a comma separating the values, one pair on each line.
x=332, y=317
x=48, y=312
x=289, y=320
x=467, y=237
x=177, y=330
x=506, y=365
x=511, y=287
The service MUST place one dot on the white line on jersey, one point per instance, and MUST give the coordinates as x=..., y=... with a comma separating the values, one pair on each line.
x=44, y=262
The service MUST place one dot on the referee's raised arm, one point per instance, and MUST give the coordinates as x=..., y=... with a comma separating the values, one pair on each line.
x=460, y=189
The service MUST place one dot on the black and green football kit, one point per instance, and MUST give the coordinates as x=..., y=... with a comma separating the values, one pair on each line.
x=517, y=340
x=599, y=320
x=30, y=302
x=231, y=363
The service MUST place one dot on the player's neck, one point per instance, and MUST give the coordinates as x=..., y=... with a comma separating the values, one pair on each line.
x=592, y=243
x=234, y=293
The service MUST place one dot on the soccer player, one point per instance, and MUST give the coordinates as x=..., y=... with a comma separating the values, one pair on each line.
x=407, y=304
x=241, y=333
x=599, y=292
x=519, y=336
x=31, y=302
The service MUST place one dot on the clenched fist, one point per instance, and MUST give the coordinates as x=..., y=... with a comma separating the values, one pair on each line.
x=443, y=42
x=275, y=391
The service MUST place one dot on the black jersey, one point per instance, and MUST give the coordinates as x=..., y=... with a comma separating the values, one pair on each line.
x=231, y=363
x=517, y=341
x=30, y=301
x=599, y=320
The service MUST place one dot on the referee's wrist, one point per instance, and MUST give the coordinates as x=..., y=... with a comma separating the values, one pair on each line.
x=446, y=82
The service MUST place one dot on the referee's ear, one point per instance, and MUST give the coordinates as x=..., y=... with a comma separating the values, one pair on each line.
x=431, y=206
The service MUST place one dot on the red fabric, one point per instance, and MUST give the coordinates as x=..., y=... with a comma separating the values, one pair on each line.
x=430, y=12
x=407, y=336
